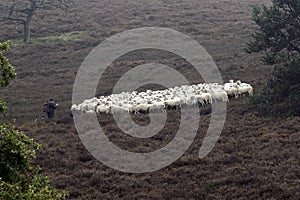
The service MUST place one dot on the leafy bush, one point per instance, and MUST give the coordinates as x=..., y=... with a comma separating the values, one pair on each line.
x=18, y=179
x=278, y=38
x=7, y=72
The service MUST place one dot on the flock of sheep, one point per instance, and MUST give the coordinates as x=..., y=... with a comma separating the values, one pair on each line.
x=161, y=100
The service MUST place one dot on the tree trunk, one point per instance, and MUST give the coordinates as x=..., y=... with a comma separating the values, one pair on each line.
x=27, y=38
x=30, y=13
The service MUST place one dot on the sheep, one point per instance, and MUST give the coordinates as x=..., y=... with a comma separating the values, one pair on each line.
x=101, y=109
x=189, y=101
x=200, y=99
x=158, y=106
x=207, y=98
x=219, y=95
x=205, y=88
x=172, y=98
x=245, y=89
x=231, y=89
x=74, y=108
x=83, y=107
x=130, y=108
x=143, y=108
x=90, y=111
x=117, y=109
x=92, y=106
x=172, y=103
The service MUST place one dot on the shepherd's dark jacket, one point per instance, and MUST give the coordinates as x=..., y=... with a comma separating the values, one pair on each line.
x=52, y=107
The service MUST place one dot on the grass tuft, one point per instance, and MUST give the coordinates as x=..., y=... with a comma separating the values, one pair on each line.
x=66, y=37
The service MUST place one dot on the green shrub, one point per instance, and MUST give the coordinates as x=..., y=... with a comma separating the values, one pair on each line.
x=18, y=179
x=278, y=38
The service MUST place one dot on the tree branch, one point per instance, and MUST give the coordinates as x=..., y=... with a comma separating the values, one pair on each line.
x=22, y=11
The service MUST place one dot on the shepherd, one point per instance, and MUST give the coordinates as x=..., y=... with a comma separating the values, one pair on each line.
x=49, y=108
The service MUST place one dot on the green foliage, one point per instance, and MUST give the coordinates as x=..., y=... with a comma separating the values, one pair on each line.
x=18, y=179
x=7, y=72
x=16, y=150
x=278, y=37
x=6, y=69
x=279, y=30
x=3, y=107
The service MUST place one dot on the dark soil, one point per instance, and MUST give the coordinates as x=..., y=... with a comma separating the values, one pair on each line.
x=256, y=157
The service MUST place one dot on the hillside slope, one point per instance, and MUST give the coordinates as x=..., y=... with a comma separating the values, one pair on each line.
x=255, y=158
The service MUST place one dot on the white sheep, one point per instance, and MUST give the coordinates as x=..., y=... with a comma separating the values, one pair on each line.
x=172, y=98
x=207, y=97
x=117, y=109
x=231, y=89
x=103, y=109
x=219, y=95
x=143, y=108
x=200, y=99
x=172, y=103
x=74, y=108
x=90, y=111
x=245, y=89
x=92, y=106
x=158, y=106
